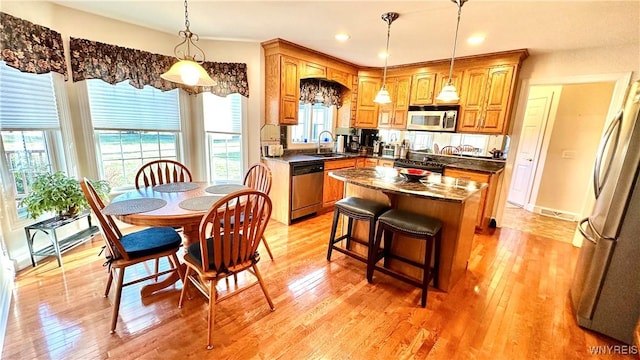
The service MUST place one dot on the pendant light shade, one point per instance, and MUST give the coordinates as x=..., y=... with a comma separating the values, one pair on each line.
x=187, y=70
x=449, y=92
x=383, y=95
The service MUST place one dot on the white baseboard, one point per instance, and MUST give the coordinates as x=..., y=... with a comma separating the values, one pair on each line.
x=558, y=214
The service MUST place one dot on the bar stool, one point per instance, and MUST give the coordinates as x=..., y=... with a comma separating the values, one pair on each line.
x=358, y=209
x=412, y=225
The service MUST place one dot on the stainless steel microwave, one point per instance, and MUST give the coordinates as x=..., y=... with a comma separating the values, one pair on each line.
x=433, y=117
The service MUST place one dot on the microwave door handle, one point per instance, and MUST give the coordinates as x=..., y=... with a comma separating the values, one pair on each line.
x=597, y=184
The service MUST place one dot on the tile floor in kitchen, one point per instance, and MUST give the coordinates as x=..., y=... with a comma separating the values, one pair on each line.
x=558, y=229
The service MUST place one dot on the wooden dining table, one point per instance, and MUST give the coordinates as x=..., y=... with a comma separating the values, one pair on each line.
x=174, y=213
x=184, y=208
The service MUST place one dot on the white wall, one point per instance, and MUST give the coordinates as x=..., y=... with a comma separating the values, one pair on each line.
x=573, y=144
x=586, y=65
x=73, y=23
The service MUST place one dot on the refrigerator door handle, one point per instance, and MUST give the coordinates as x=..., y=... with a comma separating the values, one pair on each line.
x=597, y=185
x=584, y=233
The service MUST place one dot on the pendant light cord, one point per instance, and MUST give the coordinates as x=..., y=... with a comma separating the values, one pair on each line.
x=455, y=39
x=386, y=57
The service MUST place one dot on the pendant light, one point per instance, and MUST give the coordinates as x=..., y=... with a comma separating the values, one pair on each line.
x=449, y=92
x=187, y=70
x=383, y=95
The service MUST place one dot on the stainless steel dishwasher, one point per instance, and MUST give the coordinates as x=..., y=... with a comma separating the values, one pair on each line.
x=306, y=188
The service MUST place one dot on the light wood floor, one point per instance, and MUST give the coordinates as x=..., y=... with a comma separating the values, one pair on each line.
x=557, y=229
x=511, y=304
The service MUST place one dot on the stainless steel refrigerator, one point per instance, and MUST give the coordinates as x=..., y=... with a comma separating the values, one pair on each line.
x=605, y=292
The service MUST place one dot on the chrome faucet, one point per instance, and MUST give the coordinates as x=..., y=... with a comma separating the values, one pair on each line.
x=320, y=138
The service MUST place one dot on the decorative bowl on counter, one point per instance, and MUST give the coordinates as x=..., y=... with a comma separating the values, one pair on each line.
x=414, y=174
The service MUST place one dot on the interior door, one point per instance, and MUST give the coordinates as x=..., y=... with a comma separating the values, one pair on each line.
x=536, y=115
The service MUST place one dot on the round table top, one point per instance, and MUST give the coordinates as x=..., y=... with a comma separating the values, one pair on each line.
x=172, y=214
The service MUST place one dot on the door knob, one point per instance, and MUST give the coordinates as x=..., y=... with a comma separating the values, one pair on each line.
x=529, y=159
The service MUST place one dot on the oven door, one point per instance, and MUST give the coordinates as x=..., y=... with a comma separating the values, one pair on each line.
x=425, y=120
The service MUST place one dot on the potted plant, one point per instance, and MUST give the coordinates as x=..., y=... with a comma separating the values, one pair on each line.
x=58, y=193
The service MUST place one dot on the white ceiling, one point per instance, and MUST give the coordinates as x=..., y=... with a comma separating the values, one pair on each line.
x=424, y=31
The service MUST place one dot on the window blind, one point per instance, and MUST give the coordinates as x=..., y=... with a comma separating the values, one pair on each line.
x=123, y=107
x=222, y=114
x=27, y=101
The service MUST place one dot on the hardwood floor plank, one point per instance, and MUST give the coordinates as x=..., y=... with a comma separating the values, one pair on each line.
x=512, y=303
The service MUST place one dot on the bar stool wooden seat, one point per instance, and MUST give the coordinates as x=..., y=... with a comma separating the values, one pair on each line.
x=411, y=225
x=355, y=209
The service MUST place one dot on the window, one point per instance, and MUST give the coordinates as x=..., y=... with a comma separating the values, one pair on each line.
x=223, y=119
x=30, y=131
x=312, y=120
x=132, y=127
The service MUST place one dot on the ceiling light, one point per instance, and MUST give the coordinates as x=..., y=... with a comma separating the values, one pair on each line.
x=187, y=70
x=383, y=95
x=383, y=55
x=449, y=92
x=476, y=39
x=342, y=37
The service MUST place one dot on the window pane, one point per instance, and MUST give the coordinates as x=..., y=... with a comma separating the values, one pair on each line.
x=223, y=124
x=26, y=154
x=122, y=153
x=225, y=158
x=312, y=120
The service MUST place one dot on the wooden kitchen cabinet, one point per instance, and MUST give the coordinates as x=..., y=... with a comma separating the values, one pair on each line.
x=333, y=189
x=422, y=88
x=312, y=70
x=486, y=100
x=282, y=90
x=341, y=77
x=366, y=109
x=442, y=79
x=487, y=195
x=372, y=162
x=394, y=115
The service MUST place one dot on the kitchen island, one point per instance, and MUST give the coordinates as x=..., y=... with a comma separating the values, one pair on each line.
x=453, y=201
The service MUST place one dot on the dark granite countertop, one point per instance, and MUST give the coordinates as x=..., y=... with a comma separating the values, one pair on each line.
x=434, y=186
x=455, y=162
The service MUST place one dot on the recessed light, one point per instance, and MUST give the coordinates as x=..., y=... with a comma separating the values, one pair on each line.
x=383, y=55
x=476, y=39
x=342, y=37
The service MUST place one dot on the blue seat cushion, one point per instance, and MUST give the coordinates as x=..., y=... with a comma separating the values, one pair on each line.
x=150, y=241
x=194, y=252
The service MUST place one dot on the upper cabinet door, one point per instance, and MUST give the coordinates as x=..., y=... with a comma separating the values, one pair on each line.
x=367, y=110
x=402, y=91
x=289, y=91
x=340, y=77
x=422, y=88
x=312, y=70
x=486, y=99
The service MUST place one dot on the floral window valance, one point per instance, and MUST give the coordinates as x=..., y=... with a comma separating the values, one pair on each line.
x=114, y=64
x=314, y=91
x=29, y=47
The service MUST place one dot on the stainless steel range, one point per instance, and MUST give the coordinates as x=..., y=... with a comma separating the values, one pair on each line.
x=427, y=164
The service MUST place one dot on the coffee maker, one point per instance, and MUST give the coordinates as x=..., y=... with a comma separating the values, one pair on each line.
x=354, y=143
x=367, y=137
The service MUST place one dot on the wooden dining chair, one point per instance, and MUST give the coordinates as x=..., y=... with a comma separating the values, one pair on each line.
x=159, y=172
x=258, y=177
x=449, y=150
x=123, y=251
x=224, y=249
